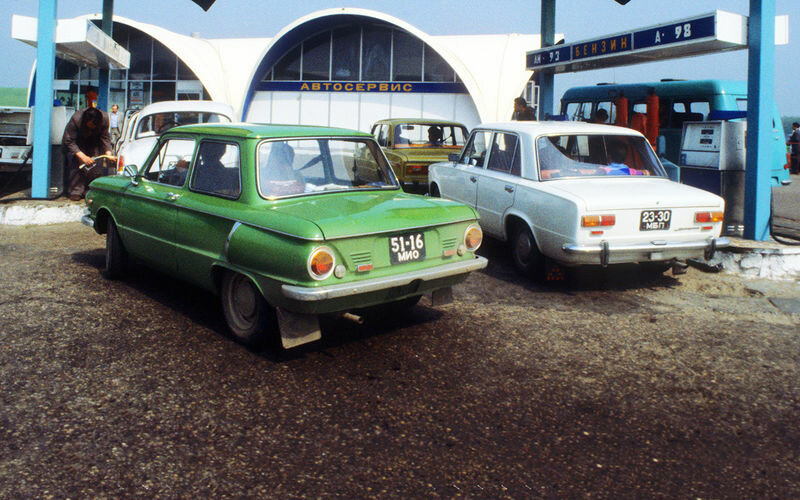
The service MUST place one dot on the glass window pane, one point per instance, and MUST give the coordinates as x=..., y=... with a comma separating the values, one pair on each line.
x=217, y=169
x=376, y=55
x=475, y=152
x=316, y=57
x=172, y=162
x=436, y=68
x=407, y=58
x=163, y=91
x=346, y=51
x=184, y=73
x=140, y=47
x=163, y=62
x=65, y=70
x=288, y=68
x=503, y=150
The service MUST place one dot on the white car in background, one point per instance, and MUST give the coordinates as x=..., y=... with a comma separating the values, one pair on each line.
x=579, y=194
x=141, y=129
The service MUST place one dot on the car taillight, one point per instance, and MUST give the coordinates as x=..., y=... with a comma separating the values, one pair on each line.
x=321, y=263
x=120, y=164
x=473, y=237
x=598, y=220
x=417, y=169
x=708, y=216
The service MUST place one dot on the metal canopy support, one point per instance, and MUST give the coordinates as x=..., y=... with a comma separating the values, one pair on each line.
x=546, y=80
x=45, y=73
x=102, y=93
x=760, y=95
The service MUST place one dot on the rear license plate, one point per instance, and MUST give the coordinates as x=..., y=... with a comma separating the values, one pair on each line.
x=653, y=220
x=407, y=248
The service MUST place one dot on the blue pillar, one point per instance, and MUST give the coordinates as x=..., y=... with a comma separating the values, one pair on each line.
x=546, y=81
x=102, y=92
x=43, y=97
x=760, y=103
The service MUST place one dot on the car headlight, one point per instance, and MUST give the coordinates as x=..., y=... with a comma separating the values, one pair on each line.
x=473, y=237
x=321, y=263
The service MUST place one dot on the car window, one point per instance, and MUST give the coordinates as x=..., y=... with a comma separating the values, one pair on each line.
x=579, y=111
x=382, y=132
x=158, y=123
x=576, y=155
x=304, y=166
x=411, y=135
x=171, y=164
x=505, y=148
x=217, y=169
x=475, y=152
x=610, y=109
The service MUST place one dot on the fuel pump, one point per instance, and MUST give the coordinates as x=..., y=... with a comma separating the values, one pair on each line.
x=712, y=157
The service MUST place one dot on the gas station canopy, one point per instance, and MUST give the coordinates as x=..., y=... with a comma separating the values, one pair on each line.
x=78, y=41
x=709, y=33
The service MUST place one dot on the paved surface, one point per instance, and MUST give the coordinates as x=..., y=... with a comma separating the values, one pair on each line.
x=619, y=386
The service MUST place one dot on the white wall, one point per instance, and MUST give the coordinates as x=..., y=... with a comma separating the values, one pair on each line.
x=358, y=110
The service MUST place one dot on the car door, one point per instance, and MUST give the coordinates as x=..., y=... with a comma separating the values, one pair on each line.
x=206, y=213
x=498, y=181
x=147, y=220
x=461, y=182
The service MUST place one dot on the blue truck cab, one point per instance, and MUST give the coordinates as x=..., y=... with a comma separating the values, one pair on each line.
x=679, y=101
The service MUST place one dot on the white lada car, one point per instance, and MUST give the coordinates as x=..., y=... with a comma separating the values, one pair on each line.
x=579, y=194
x=142, y=129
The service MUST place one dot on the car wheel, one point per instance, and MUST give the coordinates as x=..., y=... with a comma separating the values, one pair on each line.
x=116, y=257
x=246, y=312
x=435, y=192
x=527, y=257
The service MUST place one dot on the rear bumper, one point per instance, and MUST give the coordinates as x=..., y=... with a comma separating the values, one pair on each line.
x=604, y=253
x=364, y=288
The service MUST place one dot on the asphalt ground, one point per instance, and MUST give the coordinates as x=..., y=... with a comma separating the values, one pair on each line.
x=619, y=385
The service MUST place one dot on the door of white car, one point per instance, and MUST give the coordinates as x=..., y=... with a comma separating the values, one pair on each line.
x=498, y=182
x=461, y=182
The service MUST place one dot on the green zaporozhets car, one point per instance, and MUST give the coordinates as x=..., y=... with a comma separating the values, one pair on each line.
x=412, y=144
x=284, y=223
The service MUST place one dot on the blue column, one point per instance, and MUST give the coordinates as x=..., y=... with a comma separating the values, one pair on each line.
x=760, y=103
x=102, y=92
x=43, y=97
x=545, y=77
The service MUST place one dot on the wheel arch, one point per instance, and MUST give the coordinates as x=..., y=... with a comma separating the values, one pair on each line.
x=512, y=221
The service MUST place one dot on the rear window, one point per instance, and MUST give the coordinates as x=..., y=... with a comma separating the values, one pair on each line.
x=565, y=156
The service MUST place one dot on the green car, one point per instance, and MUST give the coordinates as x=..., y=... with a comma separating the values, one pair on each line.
x=411, y=144
x=284, y=223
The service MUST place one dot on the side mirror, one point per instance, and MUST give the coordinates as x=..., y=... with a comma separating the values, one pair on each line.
x=453, y=157
x=132, y=171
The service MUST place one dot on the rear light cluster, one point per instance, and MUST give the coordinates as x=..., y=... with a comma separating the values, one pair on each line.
x=321, y=263
x=120, y=164
x=598, y=220
x=417, y=169
x=704, y=217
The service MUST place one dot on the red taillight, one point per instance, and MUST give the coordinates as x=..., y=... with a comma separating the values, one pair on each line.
x=417, y=169
x=598, y=220
x=702, y=217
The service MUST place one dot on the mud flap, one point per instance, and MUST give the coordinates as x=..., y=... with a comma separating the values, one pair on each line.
x=297, y=329
x=442, y=296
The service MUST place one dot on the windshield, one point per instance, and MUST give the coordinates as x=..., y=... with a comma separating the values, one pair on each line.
x=563, y=156
x=159, y=123
x=302, y=166
x=427, y=135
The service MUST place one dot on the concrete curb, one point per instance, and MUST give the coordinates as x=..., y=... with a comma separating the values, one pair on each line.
x=759, y=259
x=52, y=213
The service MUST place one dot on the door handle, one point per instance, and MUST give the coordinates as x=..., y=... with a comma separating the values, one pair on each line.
x=472, y=178
x=509, y=189
x=173, y=196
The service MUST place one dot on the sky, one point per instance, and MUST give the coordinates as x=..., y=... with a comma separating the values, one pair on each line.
x=576, y=19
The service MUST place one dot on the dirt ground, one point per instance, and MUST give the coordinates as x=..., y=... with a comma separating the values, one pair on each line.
x=619, y=385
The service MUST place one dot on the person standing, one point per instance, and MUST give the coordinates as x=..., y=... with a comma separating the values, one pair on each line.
x=794, y=142
x=85, y=136
x=113, y=122
x=523, y=112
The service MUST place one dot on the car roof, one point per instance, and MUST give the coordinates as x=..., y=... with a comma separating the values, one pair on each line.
x=535, y=128
x=172, y=106
x=436, y=121
x=265, y=131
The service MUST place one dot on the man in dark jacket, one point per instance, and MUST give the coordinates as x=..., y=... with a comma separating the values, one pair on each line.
x=86, y=135
x=522, y=111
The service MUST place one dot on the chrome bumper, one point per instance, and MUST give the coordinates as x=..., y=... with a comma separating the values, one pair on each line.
x=307, y=294
x=87, y=221
x=603, y=251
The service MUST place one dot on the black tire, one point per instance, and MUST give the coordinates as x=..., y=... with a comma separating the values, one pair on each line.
x=527, y=257
x=116, y=256
x=435, y=192
x=246, y=312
